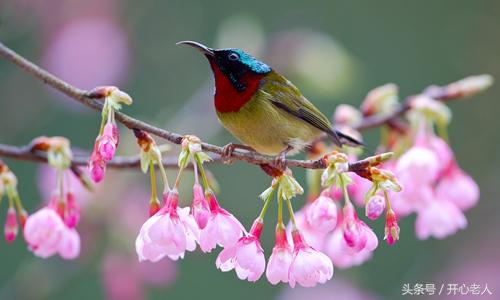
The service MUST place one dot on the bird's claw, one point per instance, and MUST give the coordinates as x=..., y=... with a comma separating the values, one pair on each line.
x=227, y=153
x=280, y=162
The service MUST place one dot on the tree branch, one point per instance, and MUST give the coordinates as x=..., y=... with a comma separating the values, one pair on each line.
x=441, y=93
x=118, y=162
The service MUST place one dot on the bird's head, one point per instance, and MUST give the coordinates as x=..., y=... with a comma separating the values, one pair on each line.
x=234, y=64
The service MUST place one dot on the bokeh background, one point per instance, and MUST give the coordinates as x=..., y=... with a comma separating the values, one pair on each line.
x=335, y=51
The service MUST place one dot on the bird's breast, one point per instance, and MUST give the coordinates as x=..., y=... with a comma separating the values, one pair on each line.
x=267, y=129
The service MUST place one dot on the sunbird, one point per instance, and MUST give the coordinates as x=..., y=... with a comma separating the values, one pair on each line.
x=263, y=109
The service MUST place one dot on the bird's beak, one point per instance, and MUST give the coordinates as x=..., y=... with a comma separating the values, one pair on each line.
x=209, y=52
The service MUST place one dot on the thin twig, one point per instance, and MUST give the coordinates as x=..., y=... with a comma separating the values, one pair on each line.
x=118, y=162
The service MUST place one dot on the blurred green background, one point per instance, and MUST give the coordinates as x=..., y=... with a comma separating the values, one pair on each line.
x=335, y=51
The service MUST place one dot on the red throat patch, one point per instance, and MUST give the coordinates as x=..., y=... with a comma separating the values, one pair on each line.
x=229, y=99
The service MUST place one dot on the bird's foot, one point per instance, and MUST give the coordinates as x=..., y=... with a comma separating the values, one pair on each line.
x=227, y=151
x=280, y=160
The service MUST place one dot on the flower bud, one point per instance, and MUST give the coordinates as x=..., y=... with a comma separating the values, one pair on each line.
x=110, y=93
x=346, y=114
x=154, y=206
x=11, y=227
x=108, y=142
x=200, y=209
x=381, y=100
x=72, y=211
x=375, y=207
x=97, y=167
x=391, y=228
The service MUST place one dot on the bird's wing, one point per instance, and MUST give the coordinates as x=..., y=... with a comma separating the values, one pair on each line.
x=286, y=96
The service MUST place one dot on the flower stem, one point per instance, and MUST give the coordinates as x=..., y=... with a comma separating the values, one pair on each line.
x=290, y=212
x=344, y=188
x=105, y=116
x=10, y=196
x=387, y=202
x=196, y=175
x=153, y=180
x=202, y=172
x=178, y=178
x=280, y=209
x=60, y=183
x=17, y=201
x=166, y=186
x=264, y=208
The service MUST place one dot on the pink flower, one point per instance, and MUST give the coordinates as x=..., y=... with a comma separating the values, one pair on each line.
x=222, y=229
x=341, y=254
x=104, y=149
x=359, y=188
x=391, y=230
x=108, y=141
x=280, y=259
x=46, y=235
x=442, y=150
x=308, y=266
x=170, y=232
x=11, y=227
x=69, y=246
x=352, y=242
x=96, y=167
x=354, y=230
x=440, y=219
x=375, y=207
x=200, y=209
x=312, y=237
x=72, y=216
x=322, y=214
x=246, y=256
x=419, y=164
x=458, y=187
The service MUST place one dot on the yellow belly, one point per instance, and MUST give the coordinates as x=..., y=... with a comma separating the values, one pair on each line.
x=268, y=129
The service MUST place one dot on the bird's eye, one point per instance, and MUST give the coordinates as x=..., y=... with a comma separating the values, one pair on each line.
x=233, y=56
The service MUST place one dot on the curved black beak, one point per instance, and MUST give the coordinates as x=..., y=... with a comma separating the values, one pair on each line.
x=202, y=48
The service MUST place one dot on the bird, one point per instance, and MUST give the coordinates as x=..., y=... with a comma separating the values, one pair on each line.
x=265, y=111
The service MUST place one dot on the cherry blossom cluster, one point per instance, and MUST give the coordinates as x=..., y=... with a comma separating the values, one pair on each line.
x=171, y=231
x=334, y=227
x=109, y=136
x=52, y=229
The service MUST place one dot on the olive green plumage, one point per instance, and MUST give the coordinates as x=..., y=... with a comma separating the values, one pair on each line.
x=277, y=116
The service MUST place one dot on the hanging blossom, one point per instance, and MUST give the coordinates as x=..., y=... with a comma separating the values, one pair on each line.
x=442, y=191
x=109, y=136
x=299, y=263
x=308, y=266
x=52, y=229
x=345, y=238
x=171, y=230
x=217, y=225
x=15, y=211
x=435, y=187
